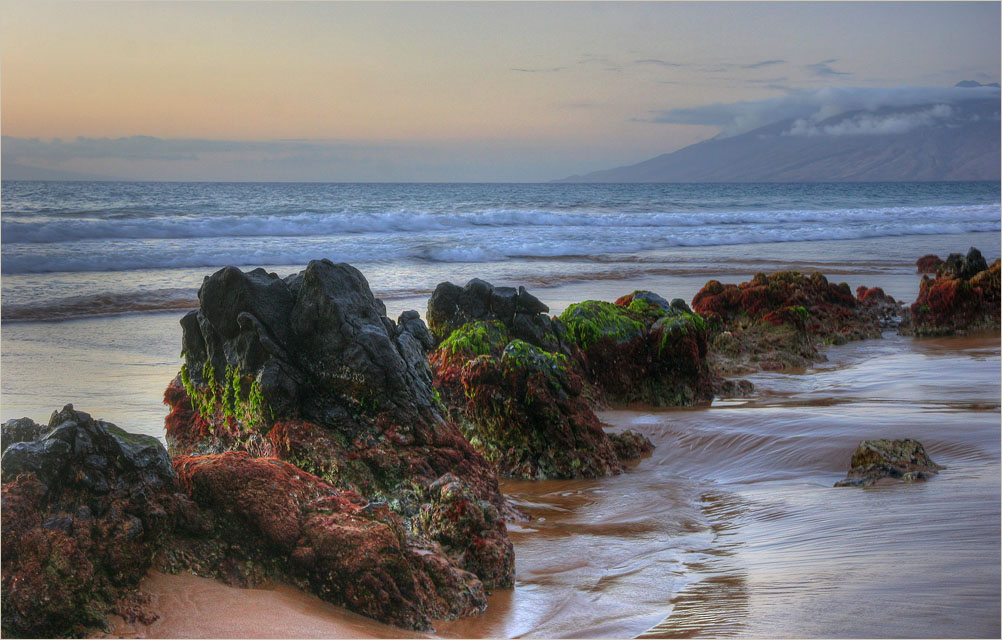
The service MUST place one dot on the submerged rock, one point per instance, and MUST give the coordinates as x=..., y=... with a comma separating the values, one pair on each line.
x=511, y=378
x=964, y=296
x=874, y=460
x=84, y=508
x=777, y=321
x=310, y=370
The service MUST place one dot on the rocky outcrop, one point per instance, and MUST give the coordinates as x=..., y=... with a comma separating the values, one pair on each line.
x=89, y=508
x=875, y=460
x=777, y=321
x=309, y=369
x=643, y=349
x=85, y=505
x=511, y=376
x=875, y=303
x=964, y=296
x=271, y=519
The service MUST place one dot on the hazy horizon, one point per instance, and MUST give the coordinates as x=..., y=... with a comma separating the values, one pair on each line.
x=450, y=92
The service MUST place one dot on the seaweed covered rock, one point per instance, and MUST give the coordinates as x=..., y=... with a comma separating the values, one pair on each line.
x=643, y=349
x=521, y=406
x=776, y=321
x=271, y=519
x=630, y=444
x=511, y=376
x=309, y=369
x=964, y=296
x=888, y=311
x=928, y=263
x=875, y=460
x=85, y=505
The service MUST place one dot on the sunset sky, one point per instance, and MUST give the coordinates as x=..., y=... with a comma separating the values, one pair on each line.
x=443, y=91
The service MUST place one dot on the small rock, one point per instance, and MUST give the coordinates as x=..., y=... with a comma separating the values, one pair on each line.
x=874, y=460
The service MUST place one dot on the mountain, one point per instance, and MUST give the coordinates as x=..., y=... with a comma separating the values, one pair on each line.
x=934, y=142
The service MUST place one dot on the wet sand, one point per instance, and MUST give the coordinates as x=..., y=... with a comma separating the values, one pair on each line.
x=732, y=527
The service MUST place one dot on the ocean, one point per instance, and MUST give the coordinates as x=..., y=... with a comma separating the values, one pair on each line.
x=731, y=527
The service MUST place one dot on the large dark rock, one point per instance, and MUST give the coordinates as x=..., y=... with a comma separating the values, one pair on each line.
x=84, y=508
x=963, y=297
x=309, y=369
x=511, y=377
x=876, y=460
x=777, y=321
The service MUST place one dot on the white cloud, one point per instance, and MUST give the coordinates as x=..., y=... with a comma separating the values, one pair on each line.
x=816, y=105
x=871, y=124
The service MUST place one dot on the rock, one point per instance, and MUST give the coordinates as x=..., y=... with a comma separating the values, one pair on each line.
x=271, y=519
x=309, y=369
x=84, y=509
x=19, y=430
x=889, y=312
x=641, y=349
x=776, y=321
x=630, y=445
x=521, y=406
x=928, y=263
x=514, y=380
x=875, y=460
x=964, y=296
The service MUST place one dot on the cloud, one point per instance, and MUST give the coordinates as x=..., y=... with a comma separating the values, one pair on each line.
x=659, y=63
x=823, y=69
x=816, y=104
x=870, y=124
x=539, y=70
x=763, y=63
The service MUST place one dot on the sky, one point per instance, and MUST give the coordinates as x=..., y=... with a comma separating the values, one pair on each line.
x=449, y=92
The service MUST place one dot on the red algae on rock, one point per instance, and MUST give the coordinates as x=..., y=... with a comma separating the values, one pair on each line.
x=310, y=370
x=776, y=321
x=84, y=508
x=964, y=296
x=272, y=519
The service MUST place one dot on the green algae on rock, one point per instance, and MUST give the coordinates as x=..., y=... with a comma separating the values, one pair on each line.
x=510, y=377
x=875, y=460
x=643, y=349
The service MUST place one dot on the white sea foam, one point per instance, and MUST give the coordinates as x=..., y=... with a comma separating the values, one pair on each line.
x=55, y=229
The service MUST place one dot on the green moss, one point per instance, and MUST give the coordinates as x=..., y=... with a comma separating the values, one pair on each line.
x=476, y=338
x=590, y=321
x=644, y=308
x=679, y=324
x=800, y=312
x=523, y=355
x=227, y=397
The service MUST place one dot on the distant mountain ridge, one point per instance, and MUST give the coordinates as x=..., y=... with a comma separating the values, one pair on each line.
x=932, y=142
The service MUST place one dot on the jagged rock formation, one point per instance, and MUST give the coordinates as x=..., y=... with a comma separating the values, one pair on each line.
x=964, y=296
x=510, y=375
x=310, y=370
x=875, y=460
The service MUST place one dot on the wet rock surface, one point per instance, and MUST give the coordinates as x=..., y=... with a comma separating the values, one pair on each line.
x=511, y=377
x=964, y=296
x=876, y=460
x=84, y=507
x=643, y=349
x=310, y=370
x=777, y=322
